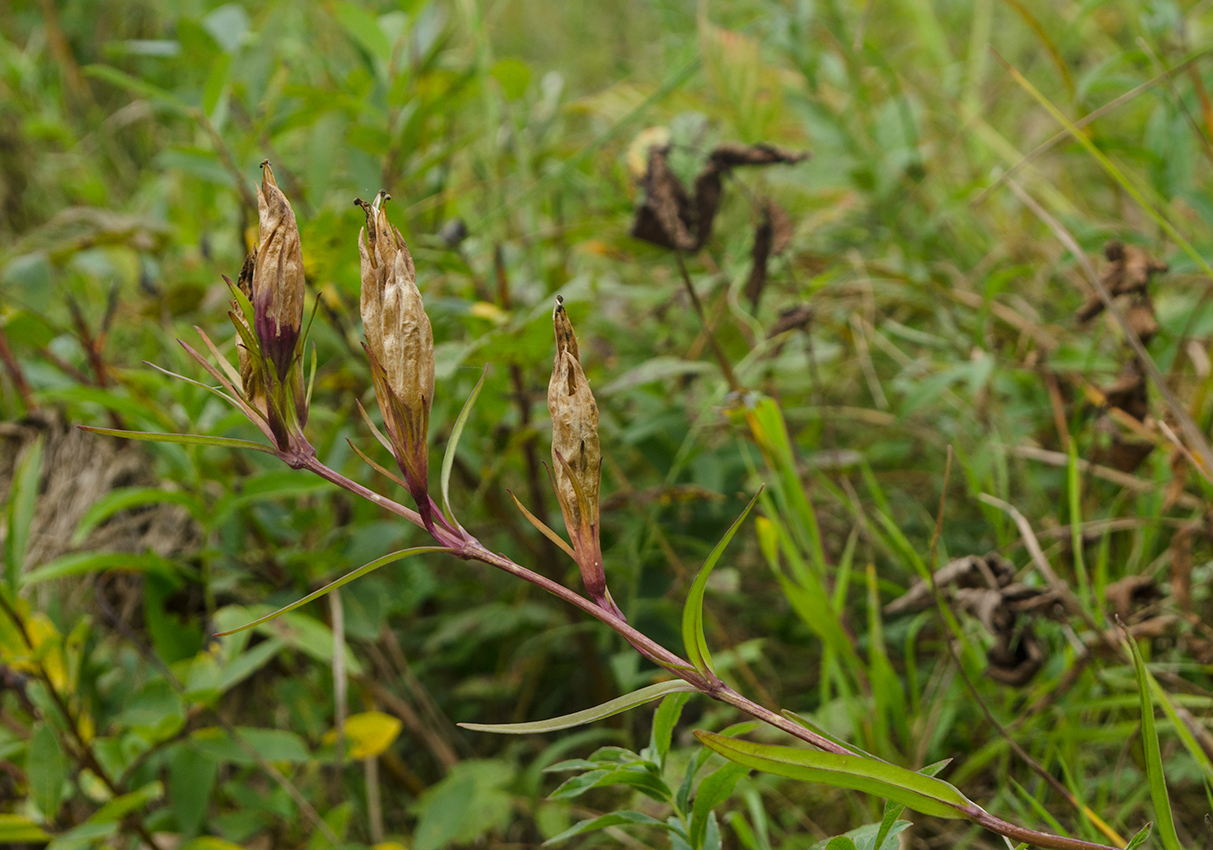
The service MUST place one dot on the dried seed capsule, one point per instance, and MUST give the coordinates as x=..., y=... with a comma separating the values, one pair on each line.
x=577, y=456
x=278, y=280
x=401, y=345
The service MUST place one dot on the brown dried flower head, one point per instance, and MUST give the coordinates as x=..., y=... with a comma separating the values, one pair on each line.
x=400, y=341
x=278, y=280
x=576, y=455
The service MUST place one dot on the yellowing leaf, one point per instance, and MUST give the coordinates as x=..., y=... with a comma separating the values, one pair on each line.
x=485, y=310
x=368, y=734
x=388, y=845
x=210, y=842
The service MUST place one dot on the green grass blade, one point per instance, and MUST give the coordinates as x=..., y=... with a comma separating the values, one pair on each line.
x=589, y=715
x=1181, y=729
x=81, y=563
x=345, y=579
x=452, y=445
x=692, y=612
x=923, y=794
x=1149, y=742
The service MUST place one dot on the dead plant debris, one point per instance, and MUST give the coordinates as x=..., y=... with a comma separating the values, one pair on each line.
x=671, y=217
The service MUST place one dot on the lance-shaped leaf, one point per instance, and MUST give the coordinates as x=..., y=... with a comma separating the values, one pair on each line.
x=921, y=793
x=1149, y=742
x=345, y=579
x=184, y=439
x=692, y=612
x=589, y=715
x=452, y=445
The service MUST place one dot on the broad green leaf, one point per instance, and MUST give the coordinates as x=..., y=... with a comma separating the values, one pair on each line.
x=921, y=793
x=46, y=768
x=345, y=579
x=470, y=801
x=692, y=613
x=452, y=446
x=311, y=637
x=589, y=715
x=19, y=513
x=337, y=819
x=17, y=829
x=364, y=28
x=1149, y=742
x=273, y=745
x=80, y=563
x=841, y=842
x=227, y=25
x=603, y=821
x=191, y=778
x=368, y=734
x=126, y=498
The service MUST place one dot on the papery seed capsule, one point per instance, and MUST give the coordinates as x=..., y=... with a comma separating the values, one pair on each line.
x=576, y=455
x=278, y=279
x=408, y=340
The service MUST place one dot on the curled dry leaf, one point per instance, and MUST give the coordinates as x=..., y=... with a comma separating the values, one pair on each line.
x=1130, y=394
x=791, y=319
x=759, y=255
x=672, y=217
x=984, y=587
x=1128, y=596
x=1127, y=272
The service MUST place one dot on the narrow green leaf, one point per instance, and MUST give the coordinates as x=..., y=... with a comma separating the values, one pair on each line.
x=363, y=27
x=589, y=715
x=46, y=769
x=452, y=445
x=664, y=721
x=1141, y=837
x=126, y=498
x=17, y=829
x=713, y=790
x=692, y=613
x=913, y=790
x=184, y=439
x=1149, y=742
x=543, y=528
x=80, y=563
x=603, y=821
x=121, y=806
x=22, y=499
x=345, y=579
x=137, y=86
x=1193, y=746
x=892, y=811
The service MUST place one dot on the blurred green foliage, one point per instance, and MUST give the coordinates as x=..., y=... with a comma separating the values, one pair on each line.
x=510, y=135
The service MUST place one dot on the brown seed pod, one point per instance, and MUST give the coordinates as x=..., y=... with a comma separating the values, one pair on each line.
x=576, y=455
x=278, y=279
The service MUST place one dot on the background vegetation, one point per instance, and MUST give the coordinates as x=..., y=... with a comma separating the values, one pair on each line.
x=917, y=302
